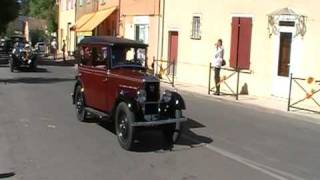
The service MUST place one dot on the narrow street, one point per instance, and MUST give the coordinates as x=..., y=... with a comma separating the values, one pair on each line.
x=41, y=139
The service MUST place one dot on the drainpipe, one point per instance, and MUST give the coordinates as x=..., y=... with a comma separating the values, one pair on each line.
x=119, y=19
x=162, y=31
x=159, y=28
x=75, y=21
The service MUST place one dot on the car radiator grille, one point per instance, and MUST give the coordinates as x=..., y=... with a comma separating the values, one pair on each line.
x=153, y=91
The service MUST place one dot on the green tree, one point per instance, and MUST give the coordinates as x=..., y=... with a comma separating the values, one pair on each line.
x=45, y=9
x=9, y=10
x=24, y=10
x=37, y=35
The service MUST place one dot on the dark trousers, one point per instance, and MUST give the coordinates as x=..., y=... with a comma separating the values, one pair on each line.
x=64, y=56
x=217, y=79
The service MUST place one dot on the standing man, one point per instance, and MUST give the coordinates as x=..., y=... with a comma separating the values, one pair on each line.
x=217, y=63
x=54, y=48
x=64, y=51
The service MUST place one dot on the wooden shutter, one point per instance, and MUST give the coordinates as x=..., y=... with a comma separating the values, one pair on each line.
x=234, y=42
x=241, y=31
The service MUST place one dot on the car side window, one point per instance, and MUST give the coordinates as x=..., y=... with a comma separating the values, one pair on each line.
x=98, y=57
x=85, y=54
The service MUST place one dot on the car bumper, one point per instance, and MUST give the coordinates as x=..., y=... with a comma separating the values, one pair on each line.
x=158, y=122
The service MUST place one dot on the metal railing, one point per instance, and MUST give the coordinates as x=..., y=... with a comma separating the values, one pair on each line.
x=224, y=81
x=309, y=95
x=165, y=70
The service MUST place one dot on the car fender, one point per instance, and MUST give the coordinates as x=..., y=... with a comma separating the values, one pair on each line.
x=78, y=83
x=177, y=101
x=129, y=100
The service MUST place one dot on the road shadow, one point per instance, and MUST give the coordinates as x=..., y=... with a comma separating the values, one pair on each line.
x=35, y=80
x=190, y=138
x=51, y=62
x=28, y=70
x=7, y=175
x=4, y=65
x=153, y=140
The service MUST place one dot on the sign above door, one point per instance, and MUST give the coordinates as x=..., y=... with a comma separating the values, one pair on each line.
x=289, y=16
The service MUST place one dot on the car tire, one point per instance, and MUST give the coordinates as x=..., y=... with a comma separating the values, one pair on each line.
x=11, y=65
x=80, y=105
x=172, y=132
x=34, y=64
x=123, y=126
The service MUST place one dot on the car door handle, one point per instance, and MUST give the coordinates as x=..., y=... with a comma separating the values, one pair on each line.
x=105, y=80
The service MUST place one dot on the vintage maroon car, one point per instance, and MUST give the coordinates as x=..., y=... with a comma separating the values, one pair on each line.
x=113, y=83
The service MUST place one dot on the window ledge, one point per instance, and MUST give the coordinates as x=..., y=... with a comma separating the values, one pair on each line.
x=196, y=38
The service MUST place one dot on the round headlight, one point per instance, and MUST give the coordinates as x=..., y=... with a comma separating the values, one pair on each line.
x=167, y=95
x=141, y=96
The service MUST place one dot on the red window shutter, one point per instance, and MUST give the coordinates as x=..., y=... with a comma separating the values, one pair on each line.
x=245, y=43
x=243, y=34
x=234, y=42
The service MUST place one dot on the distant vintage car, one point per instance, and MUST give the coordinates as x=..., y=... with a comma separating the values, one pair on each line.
x=41, y=48
x=22, y=56
x=5, y=49
x=113, y=83
x=3, y=52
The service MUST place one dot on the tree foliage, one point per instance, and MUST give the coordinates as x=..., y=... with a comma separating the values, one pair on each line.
x=24, y=7
x=44, y=9
x=9, y=10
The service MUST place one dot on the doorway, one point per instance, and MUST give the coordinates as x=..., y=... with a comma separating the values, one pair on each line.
x=173, y=50
x=284, y=54
x=285, y=59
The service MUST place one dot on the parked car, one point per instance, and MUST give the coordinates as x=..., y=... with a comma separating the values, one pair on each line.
x=22, y=56
x=40, y=48
x=113, y=82
x=3, y=52
x=5, y=49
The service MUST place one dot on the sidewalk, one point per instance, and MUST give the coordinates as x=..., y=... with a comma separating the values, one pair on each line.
x=271, y=102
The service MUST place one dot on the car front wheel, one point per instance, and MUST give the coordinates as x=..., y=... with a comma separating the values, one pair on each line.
x=80, y=105
x=123, y=125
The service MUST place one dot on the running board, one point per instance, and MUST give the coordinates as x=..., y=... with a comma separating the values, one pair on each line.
x=101, y=114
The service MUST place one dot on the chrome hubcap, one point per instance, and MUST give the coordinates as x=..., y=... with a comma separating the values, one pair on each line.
x=79, y=103
x=123, y=128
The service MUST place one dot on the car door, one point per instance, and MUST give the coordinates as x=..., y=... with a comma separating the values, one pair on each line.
x=100, y=80
x=87, y=76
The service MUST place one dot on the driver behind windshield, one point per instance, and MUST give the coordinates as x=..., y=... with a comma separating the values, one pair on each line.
x=127, y=56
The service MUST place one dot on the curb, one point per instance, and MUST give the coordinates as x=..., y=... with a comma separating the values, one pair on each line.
x=312, y=117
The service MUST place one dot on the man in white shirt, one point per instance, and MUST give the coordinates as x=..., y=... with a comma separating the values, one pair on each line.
x=54, y=48
x=217, y=63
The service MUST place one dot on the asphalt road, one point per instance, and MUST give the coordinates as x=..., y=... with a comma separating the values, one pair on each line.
x=41, y=139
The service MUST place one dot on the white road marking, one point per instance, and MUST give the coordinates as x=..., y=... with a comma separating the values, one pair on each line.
x=275, y=173
x=51, y=126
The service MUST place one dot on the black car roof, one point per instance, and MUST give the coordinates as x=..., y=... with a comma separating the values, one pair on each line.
x=112, y=41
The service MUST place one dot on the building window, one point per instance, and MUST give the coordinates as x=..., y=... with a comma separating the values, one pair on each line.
x=141, y=33
x=102, y=2
x=81, y=2
x=196, y=33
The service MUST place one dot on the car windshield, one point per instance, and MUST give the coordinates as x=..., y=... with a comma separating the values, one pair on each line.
x=20, y=45
x=128, y=57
